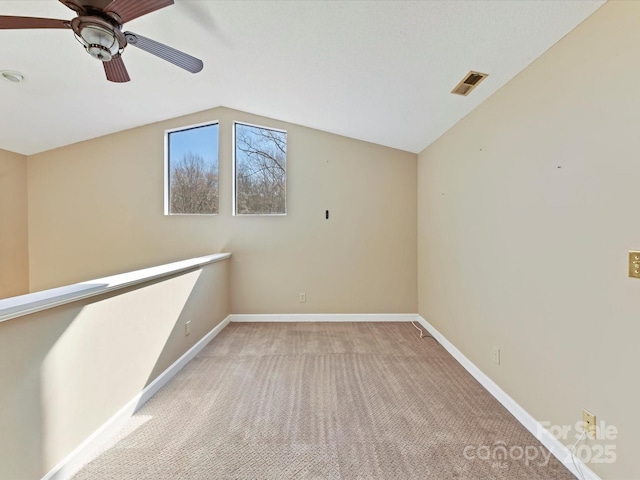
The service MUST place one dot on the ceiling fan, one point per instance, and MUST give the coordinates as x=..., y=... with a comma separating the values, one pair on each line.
x=98, y=26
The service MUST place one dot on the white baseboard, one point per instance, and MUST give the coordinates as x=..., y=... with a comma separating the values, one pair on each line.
x=73, y=462
x=325, y=317
x=555, y=446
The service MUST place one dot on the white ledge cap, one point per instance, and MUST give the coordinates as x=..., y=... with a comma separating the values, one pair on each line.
x=34, y=302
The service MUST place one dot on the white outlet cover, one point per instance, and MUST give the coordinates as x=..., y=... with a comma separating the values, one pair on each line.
x=496, y=355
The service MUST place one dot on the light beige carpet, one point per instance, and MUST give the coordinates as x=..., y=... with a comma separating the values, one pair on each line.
x=323, y=401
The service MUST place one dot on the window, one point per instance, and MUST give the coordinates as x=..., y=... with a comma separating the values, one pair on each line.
x=191, y=170
x=260, y=167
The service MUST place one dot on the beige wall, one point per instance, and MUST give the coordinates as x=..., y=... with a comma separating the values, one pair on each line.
x=96, y=208
x=14, y=263
x=527, y=208
x=67, y=370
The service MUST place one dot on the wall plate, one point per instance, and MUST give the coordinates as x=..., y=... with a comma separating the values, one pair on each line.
x=589, y=423
x=634, y=264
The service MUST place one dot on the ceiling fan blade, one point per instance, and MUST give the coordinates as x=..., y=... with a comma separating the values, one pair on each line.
x=80, y=6
x=129, y=9
x=31, y=22
x=115, y=70
x=182, y=60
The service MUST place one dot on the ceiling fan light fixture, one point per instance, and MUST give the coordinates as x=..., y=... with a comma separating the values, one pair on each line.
x=99, y=42
x=11, y=76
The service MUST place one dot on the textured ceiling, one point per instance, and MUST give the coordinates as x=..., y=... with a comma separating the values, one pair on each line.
x=379, y=71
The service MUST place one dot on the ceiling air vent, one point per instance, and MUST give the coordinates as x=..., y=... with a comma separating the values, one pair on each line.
x=469, y=82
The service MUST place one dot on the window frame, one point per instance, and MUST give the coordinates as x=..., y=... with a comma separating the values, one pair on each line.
x=235, y=180
x=167, y=164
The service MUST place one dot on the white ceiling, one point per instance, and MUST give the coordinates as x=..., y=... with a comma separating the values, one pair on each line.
x=376, y=70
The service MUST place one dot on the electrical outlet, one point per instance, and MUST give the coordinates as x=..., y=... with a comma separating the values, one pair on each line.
x=496, y=355
x=303, y=298
x=634, y=264
x=589, y=423
x=187, y=328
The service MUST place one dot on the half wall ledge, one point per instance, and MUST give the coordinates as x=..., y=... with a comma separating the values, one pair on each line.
x=34, y=302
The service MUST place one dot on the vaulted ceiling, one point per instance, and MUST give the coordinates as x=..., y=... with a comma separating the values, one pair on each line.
x=380, y=71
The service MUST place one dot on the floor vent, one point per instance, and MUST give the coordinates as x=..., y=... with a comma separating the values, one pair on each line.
x=469, y=82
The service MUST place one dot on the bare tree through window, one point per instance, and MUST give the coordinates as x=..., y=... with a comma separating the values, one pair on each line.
x=193, y=170
x=261, y=170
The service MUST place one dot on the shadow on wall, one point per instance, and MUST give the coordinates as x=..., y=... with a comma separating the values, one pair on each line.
x=65, y=371
x=24, y=344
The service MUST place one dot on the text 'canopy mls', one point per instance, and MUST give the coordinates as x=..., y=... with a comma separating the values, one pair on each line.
x=261, y=170
x=193, y=170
